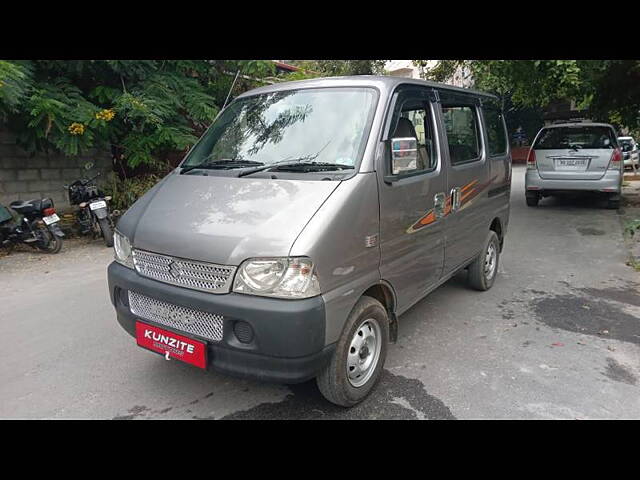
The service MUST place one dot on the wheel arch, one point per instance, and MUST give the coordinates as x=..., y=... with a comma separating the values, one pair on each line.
x=384, y=293
x=496, y=226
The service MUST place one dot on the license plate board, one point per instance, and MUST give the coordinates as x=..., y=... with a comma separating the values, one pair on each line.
x=51, y=219
x=572, y=162
x=96, y=205
x=176, y=346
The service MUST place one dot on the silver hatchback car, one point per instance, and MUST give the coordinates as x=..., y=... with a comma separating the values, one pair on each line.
x=574, y=157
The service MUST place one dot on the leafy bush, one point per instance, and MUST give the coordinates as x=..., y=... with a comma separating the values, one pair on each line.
x=125, y=192
x=144, y=108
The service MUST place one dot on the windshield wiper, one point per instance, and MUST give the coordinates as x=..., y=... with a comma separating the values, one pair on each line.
x=221, y=164
x=314, y=166
x=298, y=166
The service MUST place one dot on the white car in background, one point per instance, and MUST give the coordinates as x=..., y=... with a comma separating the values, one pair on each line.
x=629, y=151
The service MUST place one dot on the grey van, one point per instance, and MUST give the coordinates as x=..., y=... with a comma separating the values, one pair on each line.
x=306, y=220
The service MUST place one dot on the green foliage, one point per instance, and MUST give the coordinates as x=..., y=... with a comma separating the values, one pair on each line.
x=631, y=227
x=609, y=89
x=15, y=82
x=146, y=108
x=332, y=68
x=125, y=192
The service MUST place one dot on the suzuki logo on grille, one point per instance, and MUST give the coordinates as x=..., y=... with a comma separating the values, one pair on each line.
x=175, y=270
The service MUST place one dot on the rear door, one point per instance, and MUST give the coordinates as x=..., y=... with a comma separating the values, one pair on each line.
x=467, y=178
x=411, y=233
x=575, y=152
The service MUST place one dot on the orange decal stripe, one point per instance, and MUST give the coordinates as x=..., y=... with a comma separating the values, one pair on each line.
x=466, y=195
x=468, y=185
x=427, y=219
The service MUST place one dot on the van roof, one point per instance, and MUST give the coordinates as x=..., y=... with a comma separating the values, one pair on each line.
x=384, y=83
x=578, y=124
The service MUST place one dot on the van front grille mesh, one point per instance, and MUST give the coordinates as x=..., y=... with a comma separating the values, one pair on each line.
x=203, y=324
x=207, y=277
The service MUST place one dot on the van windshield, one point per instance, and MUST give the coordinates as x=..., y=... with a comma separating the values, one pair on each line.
x=557, y=138
x=324, y=126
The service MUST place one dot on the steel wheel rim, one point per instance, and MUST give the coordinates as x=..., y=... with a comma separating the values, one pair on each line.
x=364, y=352
x=490, y=261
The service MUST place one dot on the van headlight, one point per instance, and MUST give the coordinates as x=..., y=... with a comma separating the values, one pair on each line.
x=287, y=277
x=122, y=249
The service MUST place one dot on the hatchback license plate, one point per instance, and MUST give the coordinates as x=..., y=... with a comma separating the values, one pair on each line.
x=572, y=163
x=168, y=343
x=51, y=219
x=96, y=205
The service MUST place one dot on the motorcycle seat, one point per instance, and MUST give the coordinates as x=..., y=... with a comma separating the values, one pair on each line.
x=21, y=206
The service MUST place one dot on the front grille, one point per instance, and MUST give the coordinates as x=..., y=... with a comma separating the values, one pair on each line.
x=203, y=324
x=206, y=277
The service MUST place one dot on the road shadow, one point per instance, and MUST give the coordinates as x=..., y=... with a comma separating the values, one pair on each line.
x=394, y=398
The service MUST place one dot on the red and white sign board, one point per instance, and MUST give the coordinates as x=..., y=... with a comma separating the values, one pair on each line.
x=163, y=341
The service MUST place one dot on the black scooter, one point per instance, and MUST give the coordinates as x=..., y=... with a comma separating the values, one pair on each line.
x=93, y=215
x=37, y=225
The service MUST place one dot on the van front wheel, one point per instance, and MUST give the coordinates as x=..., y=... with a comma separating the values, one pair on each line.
x=356, y=365
x=483, y=270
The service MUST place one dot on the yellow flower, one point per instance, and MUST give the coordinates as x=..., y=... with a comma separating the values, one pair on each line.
x=76, y=128
x=1, y=84
x=107, y=114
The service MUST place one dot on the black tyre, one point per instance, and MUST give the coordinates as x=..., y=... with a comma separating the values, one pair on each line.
x=107, y=232
x=613, y=202
x=356, y=365
x=483, y=270
x=48, y=242
x=532, y=200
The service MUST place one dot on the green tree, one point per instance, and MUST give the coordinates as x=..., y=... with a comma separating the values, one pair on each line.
x=146, y=109
x=332, y=68
x=609, y=89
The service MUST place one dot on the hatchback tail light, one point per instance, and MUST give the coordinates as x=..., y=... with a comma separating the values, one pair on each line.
x=531, y=159
x=48, y=211
x=616, y=160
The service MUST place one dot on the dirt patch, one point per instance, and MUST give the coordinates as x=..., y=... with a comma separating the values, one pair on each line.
x=619, y=373
x=590, y=231
x=395, y=397
x=587, y=316
x=629, y=295
x=134, y=412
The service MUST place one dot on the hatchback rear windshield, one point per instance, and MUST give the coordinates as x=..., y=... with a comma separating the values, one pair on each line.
x=626, y=145
x=575, y=138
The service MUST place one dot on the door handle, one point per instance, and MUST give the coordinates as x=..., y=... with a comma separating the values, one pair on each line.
x=455, y=198
x=439, y=200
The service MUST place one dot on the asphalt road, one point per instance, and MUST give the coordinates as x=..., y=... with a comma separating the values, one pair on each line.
x=558, y=336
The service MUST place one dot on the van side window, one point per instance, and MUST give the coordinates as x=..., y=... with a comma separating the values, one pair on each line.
x=415, y=121
x=463, y=133
x=495, y=132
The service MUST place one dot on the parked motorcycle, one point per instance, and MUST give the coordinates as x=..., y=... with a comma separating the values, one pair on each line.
x=37, y=225
x=93, y=216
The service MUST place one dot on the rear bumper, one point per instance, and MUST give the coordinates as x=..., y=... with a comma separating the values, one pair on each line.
x=611, y=182
x=288, y=341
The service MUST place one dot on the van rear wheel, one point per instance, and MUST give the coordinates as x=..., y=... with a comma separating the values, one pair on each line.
x=356, y=365
x=483, y=270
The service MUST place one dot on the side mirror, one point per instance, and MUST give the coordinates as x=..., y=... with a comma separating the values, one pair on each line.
x=404, y=154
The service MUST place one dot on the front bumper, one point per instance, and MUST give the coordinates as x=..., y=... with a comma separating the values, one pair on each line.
x=611, y=182
x=288, y=341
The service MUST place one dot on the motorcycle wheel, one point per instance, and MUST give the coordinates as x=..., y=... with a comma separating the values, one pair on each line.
x=50, y=243
x=107, y=232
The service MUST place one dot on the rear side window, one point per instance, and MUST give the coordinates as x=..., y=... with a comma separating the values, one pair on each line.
x=496, y=132
x=463, y=133
x=558, y=138
x=627, y=145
